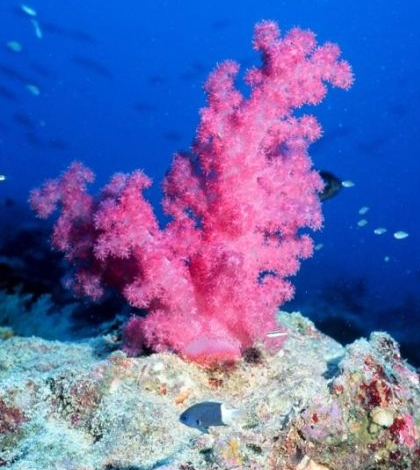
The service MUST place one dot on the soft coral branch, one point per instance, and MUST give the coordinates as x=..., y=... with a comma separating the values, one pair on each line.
x=213, y=278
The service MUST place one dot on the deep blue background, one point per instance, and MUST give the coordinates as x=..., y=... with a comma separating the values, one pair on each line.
x=121, y=86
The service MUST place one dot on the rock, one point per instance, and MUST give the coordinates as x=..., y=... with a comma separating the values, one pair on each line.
x=314, y=405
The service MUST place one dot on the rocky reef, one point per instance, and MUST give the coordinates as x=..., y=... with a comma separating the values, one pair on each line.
x=313, y=405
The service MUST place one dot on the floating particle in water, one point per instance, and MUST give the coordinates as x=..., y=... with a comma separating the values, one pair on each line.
x=33, y=89
x=362, y=222
x=14, y=46
x=400, y=235
x=387, y=259
x=380, y=231
x=2, y=177
x=318, y=246
x=347, y=184
x=363, y=210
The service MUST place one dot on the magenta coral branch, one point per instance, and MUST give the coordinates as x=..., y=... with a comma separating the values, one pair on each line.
x=213, y=278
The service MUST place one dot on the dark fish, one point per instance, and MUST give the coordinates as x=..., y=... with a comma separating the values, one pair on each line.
x=92, y=65
x=7, y=202
x=208, y=413
x=33, y=140
x=23, y=120
x=13, y=74
x=7, y=94
x=332, y=185
x=80, y=36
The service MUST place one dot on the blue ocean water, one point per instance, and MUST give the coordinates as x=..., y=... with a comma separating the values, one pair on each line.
x=118, y=85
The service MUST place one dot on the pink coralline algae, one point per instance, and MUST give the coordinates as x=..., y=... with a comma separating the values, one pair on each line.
x=10, y=418
x=405, y=431
x=212, y=279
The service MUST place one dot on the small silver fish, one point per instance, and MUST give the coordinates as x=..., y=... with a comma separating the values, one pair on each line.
x=347, y=184
x=28, y=10
x=400, y=235
x=208, y=413
x=37, y=29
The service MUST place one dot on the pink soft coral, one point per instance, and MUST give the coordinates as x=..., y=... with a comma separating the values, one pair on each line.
x=213, y=278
